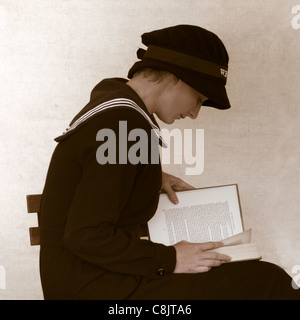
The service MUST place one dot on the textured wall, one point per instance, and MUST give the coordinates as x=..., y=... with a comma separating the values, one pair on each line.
x=52, y=53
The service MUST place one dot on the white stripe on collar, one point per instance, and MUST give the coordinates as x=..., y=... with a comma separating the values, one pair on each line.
x=115, y=103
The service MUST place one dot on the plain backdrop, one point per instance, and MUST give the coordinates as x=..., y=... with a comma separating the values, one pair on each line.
x=53, y=52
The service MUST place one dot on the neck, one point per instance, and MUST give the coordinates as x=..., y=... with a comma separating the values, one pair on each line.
x=148, y=91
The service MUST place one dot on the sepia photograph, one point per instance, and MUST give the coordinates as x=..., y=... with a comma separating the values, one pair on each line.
x=150, y=151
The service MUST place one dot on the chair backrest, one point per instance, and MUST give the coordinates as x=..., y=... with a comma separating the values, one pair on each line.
x=33, y=206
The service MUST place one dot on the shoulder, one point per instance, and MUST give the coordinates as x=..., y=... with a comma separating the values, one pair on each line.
x=108, y=115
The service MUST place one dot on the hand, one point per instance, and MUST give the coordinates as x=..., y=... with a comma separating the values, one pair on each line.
x=170, y=184
x=193, y=257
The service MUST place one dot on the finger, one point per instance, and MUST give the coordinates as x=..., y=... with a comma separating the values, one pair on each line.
x=210, y=245
x=202, y=269
x=211, y=255
x=171, y=193
x=195, y=269
x=182, y=185
x=210, y=263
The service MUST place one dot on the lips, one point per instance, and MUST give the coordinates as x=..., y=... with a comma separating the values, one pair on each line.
x=180, y=117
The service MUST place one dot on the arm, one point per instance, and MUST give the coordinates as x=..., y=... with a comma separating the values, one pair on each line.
x=93, y=230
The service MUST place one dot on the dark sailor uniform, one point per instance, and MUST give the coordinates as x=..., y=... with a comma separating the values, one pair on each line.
x=92, y=213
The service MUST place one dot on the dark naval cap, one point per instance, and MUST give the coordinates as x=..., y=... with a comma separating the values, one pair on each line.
x=193, y=54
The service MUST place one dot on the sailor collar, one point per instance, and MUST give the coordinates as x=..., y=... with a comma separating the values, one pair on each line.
x=111, y=104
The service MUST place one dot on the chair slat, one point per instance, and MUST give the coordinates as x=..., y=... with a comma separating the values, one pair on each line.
x=34, y=205
x=33, y=202
x=34, y=234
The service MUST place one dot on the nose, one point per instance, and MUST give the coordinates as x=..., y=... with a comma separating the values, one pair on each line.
x=194, y=113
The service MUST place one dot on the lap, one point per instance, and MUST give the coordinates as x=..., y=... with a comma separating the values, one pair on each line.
x=238, y=280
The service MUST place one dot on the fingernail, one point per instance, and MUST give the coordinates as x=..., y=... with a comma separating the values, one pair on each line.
x=175, y=200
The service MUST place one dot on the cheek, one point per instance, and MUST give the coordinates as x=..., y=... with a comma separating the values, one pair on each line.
x=186, y=104
x=177, y=102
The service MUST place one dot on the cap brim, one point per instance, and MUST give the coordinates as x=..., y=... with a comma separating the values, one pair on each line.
x=214, y=90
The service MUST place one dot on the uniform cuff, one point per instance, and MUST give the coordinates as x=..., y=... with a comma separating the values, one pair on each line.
x=165, y=259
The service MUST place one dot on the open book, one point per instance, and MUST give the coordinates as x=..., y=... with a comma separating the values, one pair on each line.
x=202, y=215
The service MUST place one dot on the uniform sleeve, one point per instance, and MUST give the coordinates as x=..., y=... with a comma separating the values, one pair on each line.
x=92, y=231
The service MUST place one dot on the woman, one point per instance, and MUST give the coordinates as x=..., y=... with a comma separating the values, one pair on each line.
x=95, y=200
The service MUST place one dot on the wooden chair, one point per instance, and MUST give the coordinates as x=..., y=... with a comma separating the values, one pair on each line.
x=33, y=206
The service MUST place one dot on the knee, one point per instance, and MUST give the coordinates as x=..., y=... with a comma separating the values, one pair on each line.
x=269, y=269
x=265, y=280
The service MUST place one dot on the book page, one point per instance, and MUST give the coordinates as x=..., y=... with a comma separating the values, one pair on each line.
x=240, y=238
x=240, y=252
x=208, y=214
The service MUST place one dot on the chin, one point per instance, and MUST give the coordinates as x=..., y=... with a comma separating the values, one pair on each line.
x=167, y=121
